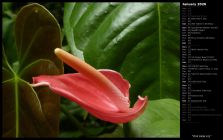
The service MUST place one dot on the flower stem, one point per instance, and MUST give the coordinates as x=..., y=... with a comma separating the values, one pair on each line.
x=126, y=130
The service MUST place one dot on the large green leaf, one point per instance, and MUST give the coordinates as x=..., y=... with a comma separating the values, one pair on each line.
x=70, y=22
x=29, y=112
x=160, y=119
x=141, y=40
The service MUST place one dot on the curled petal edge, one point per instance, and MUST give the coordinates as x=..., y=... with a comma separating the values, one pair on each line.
x=114, y=116
x=121, y=117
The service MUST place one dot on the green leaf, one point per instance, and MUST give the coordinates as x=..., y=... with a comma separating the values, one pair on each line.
x=140, y=40
x=37, y=34
x=117, y=133
x=6, y=69
x=6, y=6
x=160, y=119
x=71, y=10
x=8, y=38
x=25, y=111
x=29, y=112
x=89, y=21
x=38, y=67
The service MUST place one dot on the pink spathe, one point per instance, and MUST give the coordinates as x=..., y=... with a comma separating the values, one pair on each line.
x=103, y=93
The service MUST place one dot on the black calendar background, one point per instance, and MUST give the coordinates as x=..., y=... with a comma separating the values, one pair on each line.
x=209, y=126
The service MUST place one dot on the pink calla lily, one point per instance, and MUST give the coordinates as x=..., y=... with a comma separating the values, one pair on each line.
x=103, y=93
